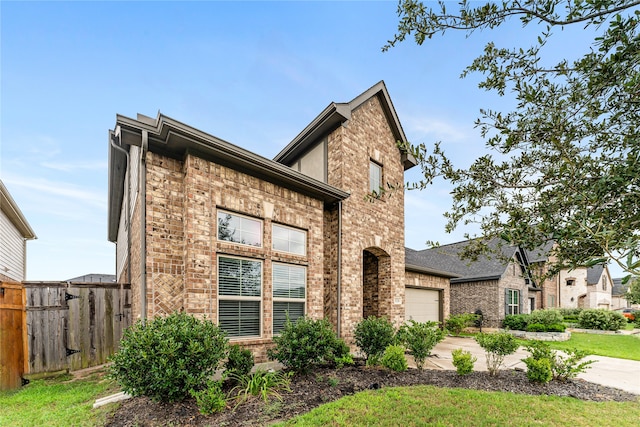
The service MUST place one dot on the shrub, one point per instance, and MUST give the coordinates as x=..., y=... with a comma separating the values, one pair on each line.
x=344, y=360
x=637, y=319
x=420, y=338
x=562, y=368
x=536, y=327
x=211, y=399
x=546, y=317
x=261, y=383
x=463, y=361
x=166, y=357
x=496, y=346
x=516, y=322
x=601, y=319
x=456, y=324
x=556, y=327
x=393, y=358
x=239, y=361
x=373, y=335
x=570, y=312
x=307, y=343
x=538, y=370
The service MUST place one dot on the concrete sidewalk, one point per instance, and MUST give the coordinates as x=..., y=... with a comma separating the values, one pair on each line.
x=608, y=371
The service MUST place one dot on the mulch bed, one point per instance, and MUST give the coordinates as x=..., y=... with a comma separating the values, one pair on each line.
x=325, y=385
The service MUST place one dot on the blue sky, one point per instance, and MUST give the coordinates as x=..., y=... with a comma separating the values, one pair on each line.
x=253, y=74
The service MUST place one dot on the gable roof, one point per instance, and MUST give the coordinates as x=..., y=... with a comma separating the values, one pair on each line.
x=447, y=258
x=13, y=212
x=414, y=262
x=594, y=273
x=338, y=113
x=175, y=139
x=618, y=288
x=540, y=254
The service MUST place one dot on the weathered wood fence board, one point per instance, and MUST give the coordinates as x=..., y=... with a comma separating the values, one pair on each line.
x=63, y=325
x=12, y=325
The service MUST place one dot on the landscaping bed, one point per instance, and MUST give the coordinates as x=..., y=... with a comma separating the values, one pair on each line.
x=324, y=385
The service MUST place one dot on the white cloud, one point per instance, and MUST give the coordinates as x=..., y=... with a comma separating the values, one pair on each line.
x=69, y=167
x=436, y=128
x=72, y=192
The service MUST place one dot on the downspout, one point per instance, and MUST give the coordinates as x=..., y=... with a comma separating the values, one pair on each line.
x=127, y=217
x=143, y=228
x=339, y=266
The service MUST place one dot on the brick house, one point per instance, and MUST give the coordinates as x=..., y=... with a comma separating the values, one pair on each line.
x=206, y=226
x=496, y=285
x=15, y=231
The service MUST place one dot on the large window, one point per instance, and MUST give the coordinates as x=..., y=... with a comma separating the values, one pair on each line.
x=375, y=177
x=289, y=240
x=239, y=229
x=239, y=296
x=289, y=294
x=513, y=301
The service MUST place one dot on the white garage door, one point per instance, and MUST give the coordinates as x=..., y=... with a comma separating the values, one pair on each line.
x=422, y=305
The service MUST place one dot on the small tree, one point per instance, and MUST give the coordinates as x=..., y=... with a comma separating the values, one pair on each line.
x=420, y=339
x=456, y=324
x=496, y=347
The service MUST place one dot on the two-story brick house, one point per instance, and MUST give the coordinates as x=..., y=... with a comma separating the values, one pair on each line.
x=203, y=225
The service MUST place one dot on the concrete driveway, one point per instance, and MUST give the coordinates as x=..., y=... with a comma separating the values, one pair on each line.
x=619, y=373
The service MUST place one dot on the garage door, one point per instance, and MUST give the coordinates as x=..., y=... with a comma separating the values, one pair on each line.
x=422, y=305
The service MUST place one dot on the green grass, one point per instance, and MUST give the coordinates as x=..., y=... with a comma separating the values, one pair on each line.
x=57, y=402
x=620, y=346
x=428, y=405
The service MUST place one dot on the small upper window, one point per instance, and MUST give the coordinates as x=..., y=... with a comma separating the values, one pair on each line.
x=571, y=282
x=604, y=283
x=288, y=239
x=239, y=229
x=375, y=177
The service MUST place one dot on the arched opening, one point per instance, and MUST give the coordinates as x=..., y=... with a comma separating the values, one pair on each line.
x=376, y=283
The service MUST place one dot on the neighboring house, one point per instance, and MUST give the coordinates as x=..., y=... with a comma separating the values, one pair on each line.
x=619, y=294
x=549, y=286
x=205, y=226
x=494, y=285
x=15, y=231
x=94, y=278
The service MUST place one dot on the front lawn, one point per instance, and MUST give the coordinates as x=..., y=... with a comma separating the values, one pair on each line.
x=620, y=346
x=57, y=402
x=428, y=405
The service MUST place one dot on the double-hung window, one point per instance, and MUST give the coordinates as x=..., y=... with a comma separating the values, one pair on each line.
x=239, y=296
x=289, y=239
x=239, y=229
x=289, y=294
x=513, y=301
x=375, y=177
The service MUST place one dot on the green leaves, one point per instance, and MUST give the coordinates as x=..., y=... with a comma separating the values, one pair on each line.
x=564, y=165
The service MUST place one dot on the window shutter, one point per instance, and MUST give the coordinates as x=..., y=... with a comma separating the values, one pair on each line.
x=520, y=302
x=506, y=301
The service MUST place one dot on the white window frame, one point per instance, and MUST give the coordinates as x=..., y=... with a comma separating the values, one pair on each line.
x=375, y=189
x=513, y=308
x=241, y=218
x=297, y=300
x=241, y=298
x=289, y=230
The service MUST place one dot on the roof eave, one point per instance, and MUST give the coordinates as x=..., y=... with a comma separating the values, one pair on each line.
x=13, y=212
x=475, y=279
x=426, y=270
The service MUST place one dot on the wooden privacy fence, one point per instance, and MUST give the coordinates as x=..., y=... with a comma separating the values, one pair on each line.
x=68, y=326
x=12, y=323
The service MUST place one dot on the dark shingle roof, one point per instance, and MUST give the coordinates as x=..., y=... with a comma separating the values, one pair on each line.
x=540, y=254
x=446, y=258
x=618, y=288
x=594, y=273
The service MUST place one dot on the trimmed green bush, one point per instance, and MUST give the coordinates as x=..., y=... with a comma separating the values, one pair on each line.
x=393, y=358
x=463, y=361
x=496, y=346
x=458, y=323
x=562, y=367
x=556, y=327
x=570, y=312
x=239, y=361
x=307, y=343
x=546, y=317
x=166, y=357
x=211, y=399
x=420, y=338
x=536, y=327
x=538, y=370
x=516, y=322
x=605, y=320
x=373, y=335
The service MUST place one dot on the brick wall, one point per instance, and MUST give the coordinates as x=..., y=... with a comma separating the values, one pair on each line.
x=376, y=226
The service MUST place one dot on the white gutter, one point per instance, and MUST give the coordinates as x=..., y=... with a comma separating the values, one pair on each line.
x=143, y=231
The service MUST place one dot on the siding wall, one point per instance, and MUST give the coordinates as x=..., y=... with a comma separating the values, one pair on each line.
x=12, y=250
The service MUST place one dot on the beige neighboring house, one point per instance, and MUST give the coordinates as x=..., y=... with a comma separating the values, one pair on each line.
x=15, y=231
x=586, y=287
x=208, y=227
